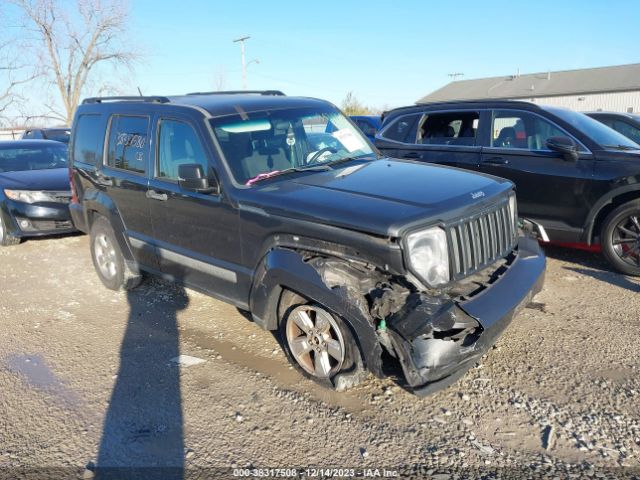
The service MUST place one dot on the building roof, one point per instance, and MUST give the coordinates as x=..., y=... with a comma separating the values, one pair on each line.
x=619, y=78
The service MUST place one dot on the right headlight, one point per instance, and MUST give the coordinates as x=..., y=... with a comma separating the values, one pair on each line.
x=428, y=255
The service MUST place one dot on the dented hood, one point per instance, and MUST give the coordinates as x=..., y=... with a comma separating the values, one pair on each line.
x=382, y=197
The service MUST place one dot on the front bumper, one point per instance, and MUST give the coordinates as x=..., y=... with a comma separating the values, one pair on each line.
x=438, y=342
x=34, y=220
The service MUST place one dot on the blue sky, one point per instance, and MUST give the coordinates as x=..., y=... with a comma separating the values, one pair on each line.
x=389, y=53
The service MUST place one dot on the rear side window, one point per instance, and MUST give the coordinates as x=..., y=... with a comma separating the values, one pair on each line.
x=128, y=143
x=88, y=139
x=451, y=128
x=403, y=129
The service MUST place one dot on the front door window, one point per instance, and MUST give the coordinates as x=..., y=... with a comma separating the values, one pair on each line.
x=178, y=144
x=522, y=130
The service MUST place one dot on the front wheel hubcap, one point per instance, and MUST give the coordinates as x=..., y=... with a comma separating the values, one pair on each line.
x=105, y=256
x=315, y=340
x=626, y=240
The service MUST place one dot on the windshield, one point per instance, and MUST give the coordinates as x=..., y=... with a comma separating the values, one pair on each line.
x=598, y=132
x=261, y=144
x=13, y=159
x=59, y=135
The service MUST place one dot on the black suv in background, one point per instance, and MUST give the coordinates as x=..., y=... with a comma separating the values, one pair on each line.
x=345, y=253
x=628, y=124
x=574, y=176
x=60, y=134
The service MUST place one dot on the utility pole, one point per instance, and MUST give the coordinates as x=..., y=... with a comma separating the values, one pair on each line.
x=455, y=75
x=241, y=40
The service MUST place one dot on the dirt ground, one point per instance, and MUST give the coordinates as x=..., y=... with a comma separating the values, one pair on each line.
x=87, y=379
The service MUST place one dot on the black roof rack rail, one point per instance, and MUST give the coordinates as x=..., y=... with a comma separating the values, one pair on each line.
x=277, y=93
x=155, y=99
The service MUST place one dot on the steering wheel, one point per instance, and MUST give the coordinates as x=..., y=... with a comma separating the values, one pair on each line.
x=316, y=156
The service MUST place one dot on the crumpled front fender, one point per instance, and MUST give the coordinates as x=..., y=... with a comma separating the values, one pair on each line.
x=283, y=268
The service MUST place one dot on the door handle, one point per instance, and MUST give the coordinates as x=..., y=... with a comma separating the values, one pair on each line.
x=153, y=195
x=496, y=161
x=411, y=155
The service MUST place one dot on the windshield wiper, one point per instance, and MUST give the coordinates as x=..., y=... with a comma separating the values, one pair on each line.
x=277, y=173
x=348, y=159
x=622, y=147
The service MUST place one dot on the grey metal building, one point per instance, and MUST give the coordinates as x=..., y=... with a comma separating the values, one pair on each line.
x=615, y=88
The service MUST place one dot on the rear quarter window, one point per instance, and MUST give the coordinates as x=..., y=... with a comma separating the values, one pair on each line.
x=88, y=140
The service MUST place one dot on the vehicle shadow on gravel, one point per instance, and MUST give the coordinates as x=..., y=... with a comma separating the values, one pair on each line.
x=592, y=265
x=142, y=436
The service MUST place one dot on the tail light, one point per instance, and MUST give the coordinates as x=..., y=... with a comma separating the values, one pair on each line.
x=74, y=196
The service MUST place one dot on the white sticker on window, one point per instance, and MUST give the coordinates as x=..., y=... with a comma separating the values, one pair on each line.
x=346, y=137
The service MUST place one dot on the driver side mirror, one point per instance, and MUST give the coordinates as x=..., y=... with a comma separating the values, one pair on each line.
x=192, y=178
x=565, y=146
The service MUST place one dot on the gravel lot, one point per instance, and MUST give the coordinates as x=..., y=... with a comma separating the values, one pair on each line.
x=86, y=379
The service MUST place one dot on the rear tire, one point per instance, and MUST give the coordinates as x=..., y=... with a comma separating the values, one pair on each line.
x=108, y=259
x=620, y=238
x=319, y=344
x=6, y=239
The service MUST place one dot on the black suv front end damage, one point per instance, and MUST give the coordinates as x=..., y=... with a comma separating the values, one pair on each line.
x=437, y=339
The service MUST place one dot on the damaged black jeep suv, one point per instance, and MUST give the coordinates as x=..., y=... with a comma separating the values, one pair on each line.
x=280, y=206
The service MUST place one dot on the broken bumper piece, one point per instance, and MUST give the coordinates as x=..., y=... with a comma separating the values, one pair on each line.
x=437, y=343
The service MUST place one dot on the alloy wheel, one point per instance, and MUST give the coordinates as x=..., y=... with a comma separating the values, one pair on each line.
x=315, y=340
x=626, y=240
x=105, y=256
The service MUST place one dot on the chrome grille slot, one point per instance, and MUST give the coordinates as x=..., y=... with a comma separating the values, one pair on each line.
x=480, y=240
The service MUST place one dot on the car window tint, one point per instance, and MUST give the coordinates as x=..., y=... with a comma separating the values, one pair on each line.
x=128, y=143
x=627, y=130
x=512, y=129
x=403, y=129
x=178, y=144
x=88, y=139
x=58, y=135
x=366, y=127
x=18, y=159
x=450, y=128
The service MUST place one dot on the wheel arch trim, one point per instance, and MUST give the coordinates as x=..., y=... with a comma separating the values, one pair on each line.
x=282, y=269
x=605, y=200
x=97, y=202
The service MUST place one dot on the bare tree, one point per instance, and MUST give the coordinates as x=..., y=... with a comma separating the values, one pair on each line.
x=70, y=48
x=220, y=79
x=352, y=106
x=13, y=73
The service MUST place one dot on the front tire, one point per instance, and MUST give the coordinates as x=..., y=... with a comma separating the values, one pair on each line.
x=6, y=239
x=108, y=259
x=620, y=238
x=319, y=344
